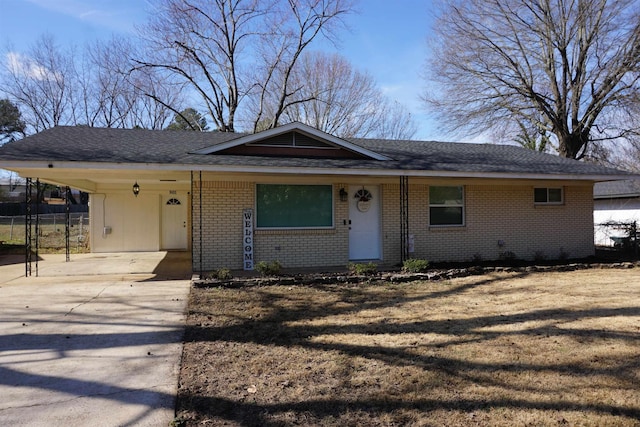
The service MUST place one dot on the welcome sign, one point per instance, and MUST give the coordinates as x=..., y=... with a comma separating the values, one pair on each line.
x=247, y=239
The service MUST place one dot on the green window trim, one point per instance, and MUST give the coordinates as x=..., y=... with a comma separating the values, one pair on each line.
x=287, y=206
x=446, y=206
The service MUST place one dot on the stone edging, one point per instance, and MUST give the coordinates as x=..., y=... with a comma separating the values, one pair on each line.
x=399, y=277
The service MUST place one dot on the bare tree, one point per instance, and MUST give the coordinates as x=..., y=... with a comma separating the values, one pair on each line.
x=201, y=43
x=40, y=83
x=93, y=87
x=394, y=122
x=338, y=99
x=144, y=98
x=224, y=49
x=294, y=25
x=566, y=69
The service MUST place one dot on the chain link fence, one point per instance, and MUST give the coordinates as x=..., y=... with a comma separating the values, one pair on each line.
x=51, y=231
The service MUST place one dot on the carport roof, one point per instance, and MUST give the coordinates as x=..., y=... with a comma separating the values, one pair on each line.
x=617, y=189
x=148, y=148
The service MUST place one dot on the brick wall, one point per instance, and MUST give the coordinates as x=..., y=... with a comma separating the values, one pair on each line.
x=493, y=214
x=222, y=206
x=498, y=219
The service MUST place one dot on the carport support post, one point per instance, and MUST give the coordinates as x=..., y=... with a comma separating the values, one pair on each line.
x=404, y=218
x=38, y=198
x=27, y=227
x=200, y=220
x=67, y=220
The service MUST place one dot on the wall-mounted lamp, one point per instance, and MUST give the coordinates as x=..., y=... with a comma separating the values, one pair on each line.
x=343, y=195
x=136, y=189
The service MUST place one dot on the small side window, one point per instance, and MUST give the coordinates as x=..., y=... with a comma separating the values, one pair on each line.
x=548, y=196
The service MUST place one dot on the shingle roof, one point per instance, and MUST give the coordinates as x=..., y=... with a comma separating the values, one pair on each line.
x=617, y=189
x=84, y=144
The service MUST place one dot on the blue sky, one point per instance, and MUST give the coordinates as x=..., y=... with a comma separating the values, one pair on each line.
x=387, y=38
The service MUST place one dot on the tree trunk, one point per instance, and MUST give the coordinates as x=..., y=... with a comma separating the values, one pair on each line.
x=573, y=145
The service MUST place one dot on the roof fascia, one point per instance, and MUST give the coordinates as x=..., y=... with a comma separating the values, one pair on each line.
x=82, y=185
x=22, y=167
x=616, y=196
x=289, y=127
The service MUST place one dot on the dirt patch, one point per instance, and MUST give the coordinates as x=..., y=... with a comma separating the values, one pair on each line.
x=519, y=348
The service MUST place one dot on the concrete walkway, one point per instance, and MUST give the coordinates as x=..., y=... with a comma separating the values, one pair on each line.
x=96, y=341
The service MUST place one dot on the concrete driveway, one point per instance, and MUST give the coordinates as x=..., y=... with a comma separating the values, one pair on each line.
x=96, y=341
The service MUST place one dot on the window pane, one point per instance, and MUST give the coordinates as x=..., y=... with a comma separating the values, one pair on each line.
x=555, y=195
x=285, y=206
x=445, y=216
x=540, y=195
x=445, y=196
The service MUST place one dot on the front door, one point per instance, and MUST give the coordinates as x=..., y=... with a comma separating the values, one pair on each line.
x=174, y=222
x=364, y=222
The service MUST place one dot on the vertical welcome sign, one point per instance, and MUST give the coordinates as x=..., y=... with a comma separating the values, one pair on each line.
x=247, y=239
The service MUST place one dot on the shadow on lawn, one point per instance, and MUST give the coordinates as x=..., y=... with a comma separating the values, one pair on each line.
x=284, y=327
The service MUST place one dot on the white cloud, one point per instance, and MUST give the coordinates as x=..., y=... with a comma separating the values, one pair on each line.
x=119, y=16
x=22, y=65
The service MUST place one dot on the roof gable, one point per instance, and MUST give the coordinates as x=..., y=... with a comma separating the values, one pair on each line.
x=293, y=140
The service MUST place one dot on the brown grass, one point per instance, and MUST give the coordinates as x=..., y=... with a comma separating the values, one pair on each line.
x=51, y=239
x=502, y=349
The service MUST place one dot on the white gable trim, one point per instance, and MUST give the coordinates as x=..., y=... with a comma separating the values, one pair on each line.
x=295, y=126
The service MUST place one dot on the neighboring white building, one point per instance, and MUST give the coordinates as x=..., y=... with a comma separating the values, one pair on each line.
x=614, y=202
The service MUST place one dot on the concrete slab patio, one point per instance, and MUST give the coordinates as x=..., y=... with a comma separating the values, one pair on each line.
x=96, y=341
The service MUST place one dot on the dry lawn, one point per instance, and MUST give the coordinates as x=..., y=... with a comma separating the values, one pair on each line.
x=51, y=240
x=503, y=349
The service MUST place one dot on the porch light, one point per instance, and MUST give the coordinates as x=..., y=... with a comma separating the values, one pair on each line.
x=136, y=189
x=343, y=195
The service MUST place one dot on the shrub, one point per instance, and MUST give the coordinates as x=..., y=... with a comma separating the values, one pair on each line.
x=539, y=256
x=413, y=265
x=361, y=269
x=224, y=274
x=221, y=274
x=507, y=256
x=563, y=255
x=477, y=258
x=268, y=268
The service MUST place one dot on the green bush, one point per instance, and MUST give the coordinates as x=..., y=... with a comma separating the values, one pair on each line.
x=221, y=274
x=268, y=268
x=361, y=269
x=413, y=265
x=224, y=274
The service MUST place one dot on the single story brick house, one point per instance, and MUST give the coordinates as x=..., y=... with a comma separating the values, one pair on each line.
x=309, y=199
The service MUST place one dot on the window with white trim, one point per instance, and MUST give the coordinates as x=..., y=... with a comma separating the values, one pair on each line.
x=446, y=206
x=548, y=196
x=294, y=206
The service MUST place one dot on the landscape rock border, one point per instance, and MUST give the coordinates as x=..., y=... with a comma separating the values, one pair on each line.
x=386, y=277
